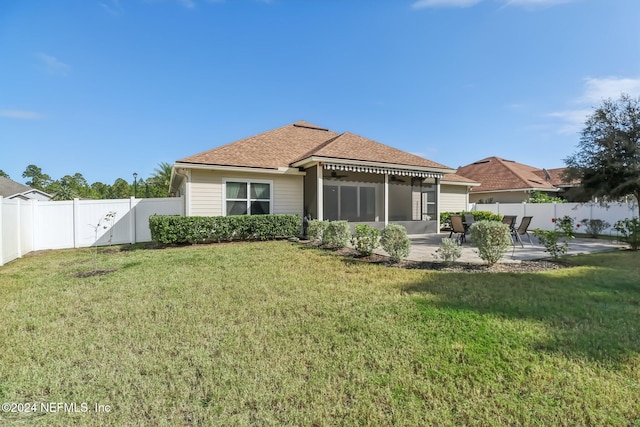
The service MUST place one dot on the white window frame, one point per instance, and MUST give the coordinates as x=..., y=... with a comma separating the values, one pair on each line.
x=249, y=199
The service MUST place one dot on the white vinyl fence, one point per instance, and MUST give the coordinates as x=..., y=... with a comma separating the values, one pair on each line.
x=33, y=225
x=542, y=213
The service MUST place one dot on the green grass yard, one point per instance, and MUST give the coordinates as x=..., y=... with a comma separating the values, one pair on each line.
x=275, y=333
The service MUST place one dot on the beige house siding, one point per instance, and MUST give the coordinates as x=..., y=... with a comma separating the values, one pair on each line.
x=500, y=197
x=206, y=191
x=453, y=198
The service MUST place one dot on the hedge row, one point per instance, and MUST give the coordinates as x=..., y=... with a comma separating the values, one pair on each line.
x=197, y=229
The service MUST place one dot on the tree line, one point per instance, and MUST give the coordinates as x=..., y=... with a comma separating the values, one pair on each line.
x=74, y=186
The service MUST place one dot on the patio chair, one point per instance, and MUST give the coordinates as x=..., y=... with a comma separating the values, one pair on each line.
x=510, y=220
x=522, y=230
x=457, y=227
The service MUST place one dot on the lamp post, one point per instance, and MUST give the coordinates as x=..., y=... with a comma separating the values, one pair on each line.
x=135, y=185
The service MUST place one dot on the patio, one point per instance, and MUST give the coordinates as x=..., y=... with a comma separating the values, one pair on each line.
x=423, y=246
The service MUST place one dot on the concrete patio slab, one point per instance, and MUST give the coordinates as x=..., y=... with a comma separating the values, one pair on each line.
x=423, y=246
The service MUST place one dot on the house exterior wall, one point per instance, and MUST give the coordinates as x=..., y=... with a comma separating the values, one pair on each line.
x=500, y=197
x=453, y=198
x=206, y=191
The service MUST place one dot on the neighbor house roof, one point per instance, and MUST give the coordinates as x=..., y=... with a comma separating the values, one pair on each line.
x=12, y=189
x=556, y=177
x=297, y=142
x=497, y=174
x=454, y=178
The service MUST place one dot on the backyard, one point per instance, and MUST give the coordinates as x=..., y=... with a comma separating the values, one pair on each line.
x=279, y=333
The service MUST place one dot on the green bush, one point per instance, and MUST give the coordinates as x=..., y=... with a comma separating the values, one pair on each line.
x=167, y=229
x=365, y=239
x=445, y=217
x=337, y=234
x=316, y=229
x=551, y=238
x=448, y=251
x=594, y=227
x=630, y=231
x=492, y=238
x=395, y=242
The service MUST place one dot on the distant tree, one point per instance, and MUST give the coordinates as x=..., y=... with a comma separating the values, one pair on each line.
x=608, y=158
x=120, y=189
x=160, y=180
x=4, y=174
x=100, y=190
x=37, y=178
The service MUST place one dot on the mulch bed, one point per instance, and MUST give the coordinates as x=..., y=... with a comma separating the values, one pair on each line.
x=458, y=267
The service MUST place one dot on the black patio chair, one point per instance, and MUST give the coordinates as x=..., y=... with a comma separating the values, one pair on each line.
x=510, y=220
x=457, y=227
x=468, y=221
x=522, y=230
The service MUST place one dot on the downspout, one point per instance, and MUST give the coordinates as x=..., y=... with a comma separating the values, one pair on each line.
x=184, y=172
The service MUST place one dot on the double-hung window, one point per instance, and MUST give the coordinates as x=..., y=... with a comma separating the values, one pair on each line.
x=247, y=197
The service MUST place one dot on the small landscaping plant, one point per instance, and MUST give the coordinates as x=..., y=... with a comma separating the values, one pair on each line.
x=316, y=230
x=492, y=238
x=594, y=227
x=395, y=242
x=550, y=239
x=448, y=251
x=365, y=239
x=337, y=234
x=629, y=229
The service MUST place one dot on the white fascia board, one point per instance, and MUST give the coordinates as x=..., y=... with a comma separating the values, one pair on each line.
x=514, y=190
x=316, y=159
x=278, y=171
x=444, y=181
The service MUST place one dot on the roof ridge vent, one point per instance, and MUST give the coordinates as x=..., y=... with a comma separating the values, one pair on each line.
x=309, y=127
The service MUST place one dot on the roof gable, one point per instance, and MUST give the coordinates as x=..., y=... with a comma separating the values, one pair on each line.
x=349, y=146
x=272, y=149
x=495, y=173
x=9, y=187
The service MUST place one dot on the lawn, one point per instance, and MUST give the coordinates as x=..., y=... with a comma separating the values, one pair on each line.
x=276, y=333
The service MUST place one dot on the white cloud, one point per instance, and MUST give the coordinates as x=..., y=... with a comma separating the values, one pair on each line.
x=609, y=87
x=111, y=6
x=594, y=92
x=20, y=114
x=53, y=65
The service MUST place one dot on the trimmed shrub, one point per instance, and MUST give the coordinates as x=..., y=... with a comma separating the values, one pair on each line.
x=337, y=234
x=551, y=238
x=630, y=231
x=365, y=239
x=316, y=229
x=395, y=242
x=492, y=238
x=167, y=229
x=448, y=251
x=594, y=227
x=445, y=217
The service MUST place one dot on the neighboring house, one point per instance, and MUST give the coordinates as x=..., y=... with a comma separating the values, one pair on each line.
x=14, y=190
x=506, y=181
x=305, y=169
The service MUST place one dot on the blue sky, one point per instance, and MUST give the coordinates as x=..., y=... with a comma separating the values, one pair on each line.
x=111, y=87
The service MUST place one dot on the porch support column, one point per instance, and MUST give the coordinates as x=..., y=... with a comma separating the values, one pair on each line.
x=438, y=205
x=319, y=192
x=386, y=199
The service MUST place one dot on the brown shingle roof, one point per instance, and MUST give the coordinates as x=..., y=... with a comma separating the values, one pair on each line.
x=284, y=146
x=556, y=177
x=454, y=177
x=272, y=149
x=494, y=174
x=349, y=146
x=9, y=187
